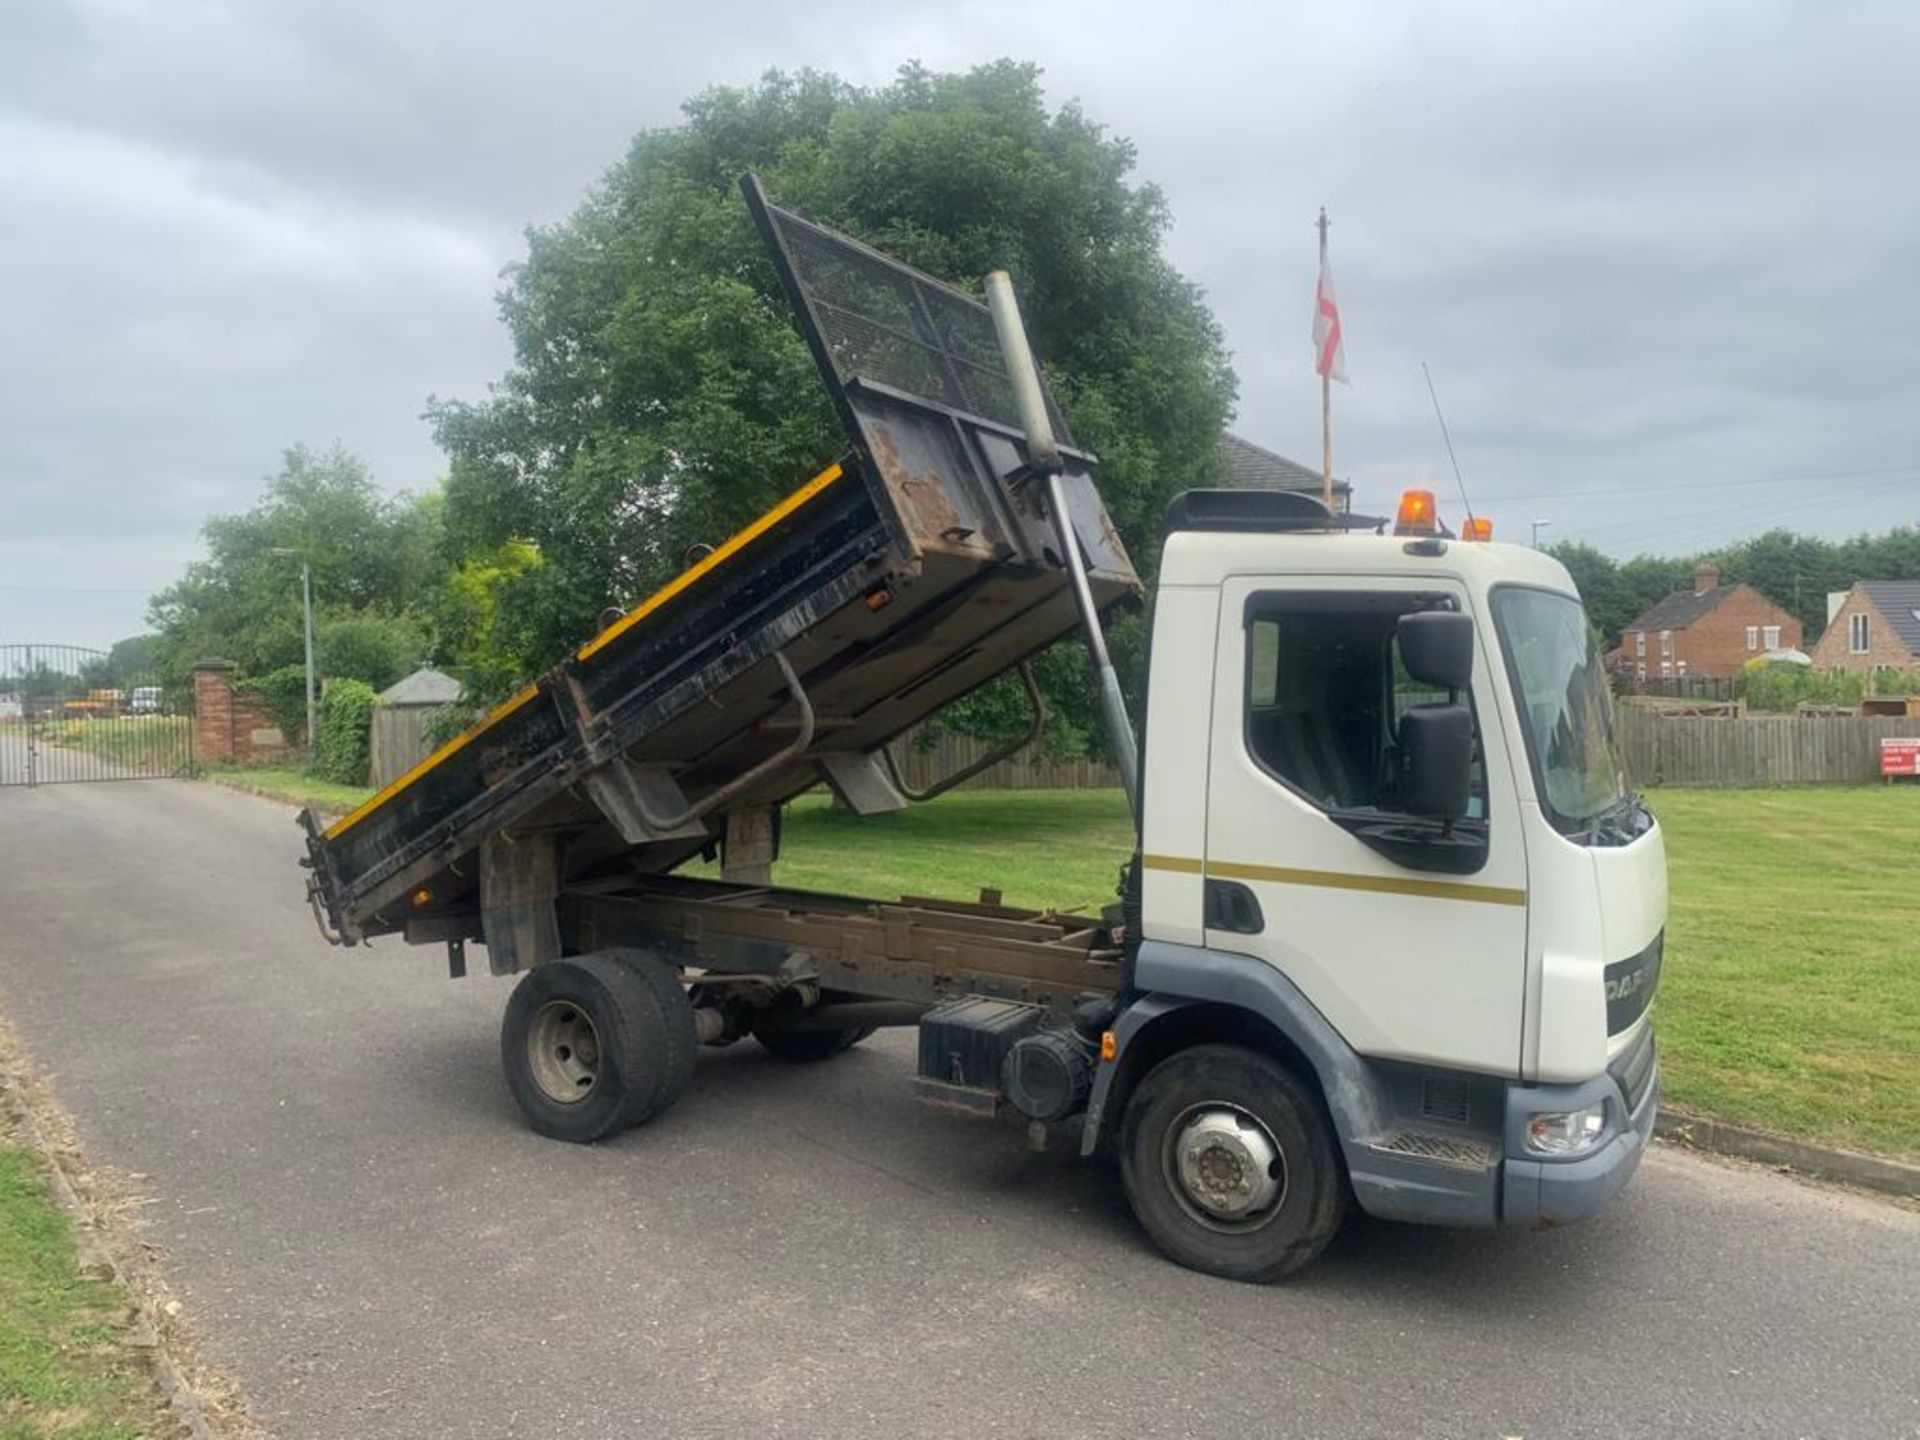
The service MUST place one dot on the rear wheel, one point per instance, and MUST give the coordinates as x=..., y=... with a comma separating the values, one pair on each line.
x=596, y=1043
x=1229, y=1164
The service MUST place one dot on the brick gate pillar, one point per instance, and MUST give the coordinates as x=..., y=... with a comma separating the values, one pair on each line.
x=213, y=711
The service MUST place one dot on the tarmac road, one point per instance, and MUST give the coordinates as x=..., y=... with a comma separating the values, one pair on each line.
x=369, y=1239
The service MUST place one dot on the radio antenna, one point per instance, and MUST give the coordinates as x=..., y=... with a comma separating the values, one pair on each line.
x=1452, y=459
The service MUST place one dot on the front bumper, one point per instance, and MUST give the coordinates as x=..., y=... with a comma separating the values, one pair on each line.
x=1539, y=1192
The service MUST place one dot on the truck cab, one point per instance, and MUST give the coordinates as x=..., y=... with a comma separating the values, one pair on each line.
x=1387, y=845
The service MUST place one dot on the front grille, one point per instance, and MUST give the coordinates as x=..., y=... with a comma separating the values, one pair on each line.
x=1634, y=1069
x=1630, y=984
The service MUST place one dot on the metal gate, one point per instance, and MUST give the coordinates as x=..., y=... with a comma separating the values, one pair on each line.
x=69, y=713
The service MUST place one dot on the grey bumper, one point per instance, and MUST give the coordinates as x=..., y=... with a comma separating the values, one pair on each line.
x=1558, y=1192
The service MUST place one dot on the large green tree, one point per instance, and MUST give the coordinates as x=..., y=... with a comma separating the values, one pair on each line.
x=661, y=395
x=374, y=561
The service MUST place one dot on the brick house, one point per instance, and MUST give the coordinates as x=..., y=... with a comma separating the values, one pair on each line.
x=1710, y=630
x=1875, y=623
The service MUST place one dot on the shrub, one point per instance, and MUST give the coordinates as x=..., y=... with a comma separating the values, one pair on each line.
x=378, y=649
x=346, y=715
x=1891, y=680
x=1780, y=687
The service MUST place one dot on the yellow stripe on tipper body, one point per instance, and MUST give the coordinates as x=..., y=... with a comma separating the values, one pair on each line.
x=414, y=772
x=633, y=617
x=1339, y=880
x=687, y=577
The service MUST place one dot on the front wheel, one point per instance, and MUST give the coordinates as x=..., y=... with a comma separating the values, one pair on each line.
x=596, y=1043
x=1229, y=1164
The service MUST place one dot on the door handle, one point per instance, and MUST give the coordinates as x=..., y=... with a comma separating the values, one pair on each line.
x=1229, y=905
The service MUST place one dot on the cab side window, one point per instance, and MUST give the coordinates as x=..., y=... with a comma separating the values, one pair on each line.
x=1325, y=693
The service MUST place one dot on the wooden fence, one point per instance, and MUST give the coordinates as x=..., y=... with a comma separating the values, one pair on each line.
x=398, y=740
x=1754, y=749
x=1029, y=770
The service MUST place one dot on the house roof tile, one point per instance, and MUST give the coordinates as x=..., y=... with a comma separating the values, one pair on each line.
x=1680, y=609
x=1254, y=467
x=1899, y=601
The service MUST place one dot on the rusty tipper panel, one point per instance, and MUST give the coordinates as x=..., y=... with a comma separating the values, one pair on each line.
x=913, y=570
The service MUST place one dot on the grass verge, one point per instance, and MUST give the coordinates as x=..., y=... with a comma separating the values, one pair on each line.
x=290, y=784
x=64, y=1370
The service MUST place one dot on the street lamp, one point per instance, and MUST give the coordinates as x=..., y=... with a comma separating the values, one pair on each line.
x=1538, y=526
x=306, y=607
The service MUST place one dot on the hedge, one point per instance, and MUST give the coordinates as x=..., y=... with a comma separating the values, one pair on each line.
x=346, y=717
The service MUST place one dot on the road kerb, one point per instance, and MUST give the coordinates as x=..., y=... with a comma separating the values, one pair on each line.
x=1850, y=1167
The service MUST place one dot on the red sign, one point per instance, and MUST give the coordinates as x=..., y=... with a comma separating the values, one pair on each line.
x=1900, y=756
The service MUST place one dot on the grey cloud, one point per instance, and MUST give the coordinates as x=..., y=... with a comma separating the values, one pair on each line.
x=1648, y=250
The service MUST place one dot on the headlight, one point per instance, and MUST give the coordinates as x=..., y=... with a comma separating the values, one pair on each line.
x=1568, y=1132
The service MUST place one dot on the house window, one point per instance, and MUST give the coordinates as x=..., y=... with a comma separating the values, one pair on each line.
x=1640, y=644
x=1773, y=637
x=1857, y=633
x=1753, y=637
x=1683, y=668
x=1666, y=669
x=1640, y=672
x=1666, y=643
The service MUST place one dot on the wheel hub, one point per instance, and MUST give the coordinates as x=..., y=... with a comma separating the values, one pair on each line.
x=563, y=1052
x=1226, y=1164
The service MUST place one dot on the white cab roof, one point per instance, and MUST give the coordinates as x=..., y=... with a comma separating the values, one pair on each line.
x=1206, y=557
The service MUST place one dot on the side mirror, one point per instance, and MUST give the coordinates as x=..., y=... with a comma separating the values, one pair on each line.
x=1436, y=757
x=1436, y=646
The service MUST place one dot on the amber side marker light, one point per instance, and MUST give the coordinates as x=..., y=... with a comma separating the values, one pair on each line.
x=1478, y=527
x=422, y=897
x=1109, y=1047
x=1417, y=515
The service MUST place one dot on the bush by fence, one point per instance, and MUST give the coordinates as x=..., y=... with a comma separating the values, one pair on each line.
x=346, y=717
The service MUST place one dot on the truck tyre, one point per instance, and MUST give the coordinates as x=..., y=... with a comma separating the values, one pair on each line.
x=596, y=1043
x=1229, y=1164
x=807, y=1046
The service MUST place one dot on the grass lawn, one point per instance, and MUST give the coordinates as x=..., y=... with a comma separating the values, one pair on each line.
x=1040, y=848
x=155, y=743
x=62, y=1371
x=1790, y=995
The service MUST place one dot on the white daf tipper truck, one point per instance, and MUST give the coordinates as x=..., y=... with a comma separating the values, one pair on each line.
x=1391, y=926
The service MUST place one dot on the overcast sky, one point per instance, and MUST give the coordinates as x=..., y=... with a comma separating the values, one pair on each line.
x=1661, y=258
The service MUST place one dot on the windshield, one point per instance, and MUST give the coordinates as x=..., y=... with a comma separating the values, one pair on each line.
x=1564, y=704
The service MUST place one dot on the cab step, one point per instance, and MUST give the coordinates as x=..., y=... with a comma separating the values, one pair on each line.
x=1457, y=1152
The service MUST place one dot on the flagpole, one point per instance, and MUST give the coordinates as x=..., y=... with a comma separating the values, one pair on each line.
x=1326, y=395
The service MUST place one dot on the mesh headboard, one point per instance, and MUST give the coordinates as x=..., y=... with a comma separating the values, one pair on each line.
x=871, y=319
